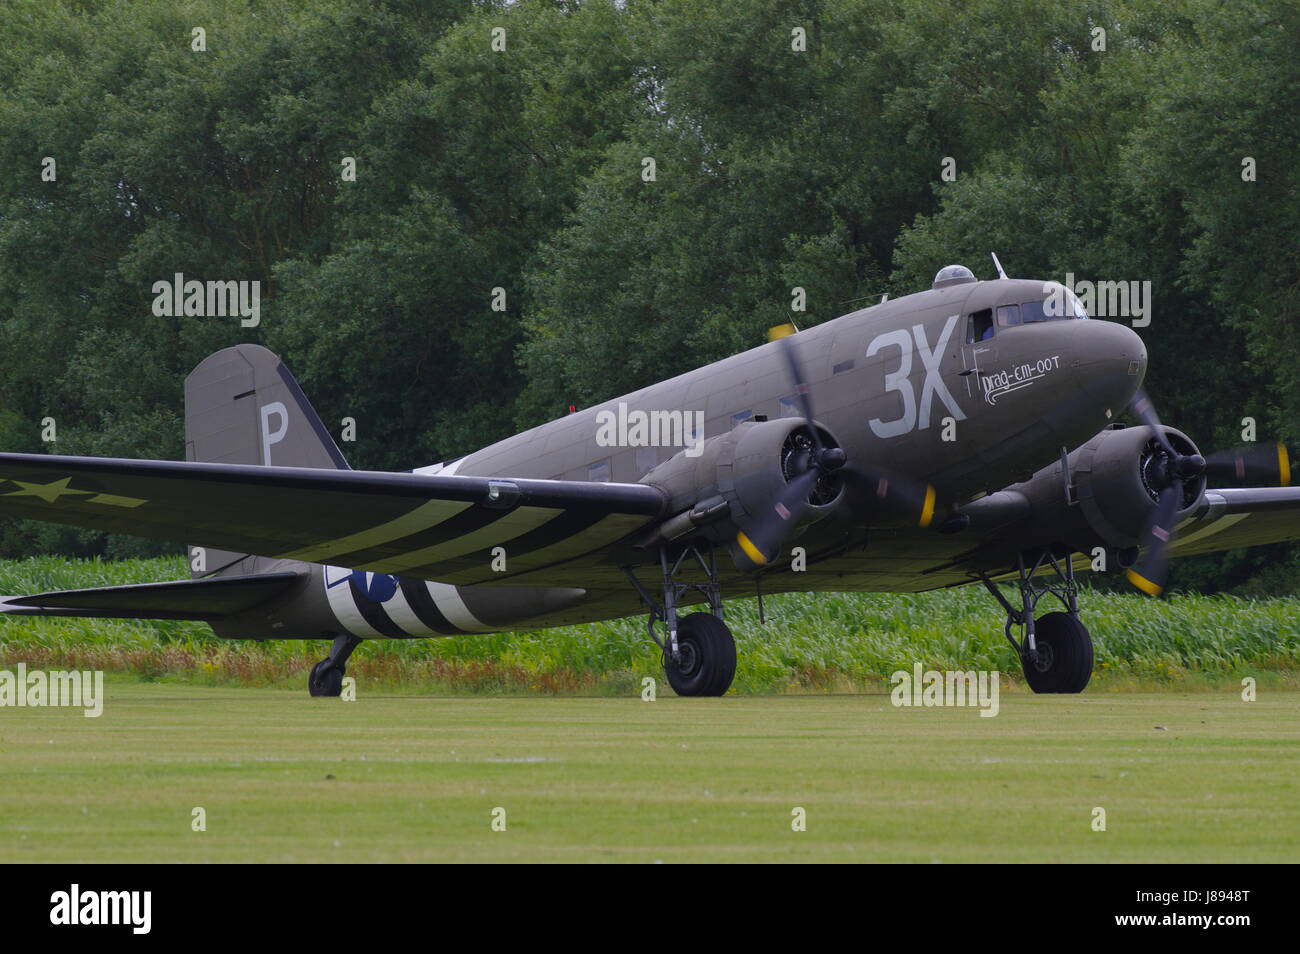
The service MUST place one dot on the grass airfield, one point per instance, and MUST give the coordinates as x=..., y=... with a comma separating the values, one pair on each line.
x=287, y=778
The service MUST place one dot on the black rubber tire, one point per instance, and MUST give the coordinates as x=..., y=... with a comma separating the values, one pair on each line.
x=1064, y=654
x=708, y=656
x=325, y=680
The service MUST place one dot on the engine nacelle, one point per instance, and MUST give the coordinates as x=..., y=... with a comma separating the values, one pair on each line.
x=1115, y=482
x=746, y=469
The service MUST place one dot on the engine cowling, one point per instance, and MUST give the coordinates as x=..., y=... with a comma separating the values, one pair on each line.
x=746, y=469
x=1118, y=479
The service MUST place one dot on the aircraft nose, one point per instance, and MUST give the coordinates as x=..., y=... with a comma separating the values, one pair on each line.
x=1114, y=361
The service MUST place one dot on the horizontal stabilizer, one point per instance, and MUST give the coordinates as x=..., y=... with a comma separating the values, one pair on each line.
x=208, y=599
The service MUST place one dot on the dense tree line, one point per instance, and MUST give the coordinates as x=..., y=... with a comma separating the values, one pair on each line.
x=500, y=162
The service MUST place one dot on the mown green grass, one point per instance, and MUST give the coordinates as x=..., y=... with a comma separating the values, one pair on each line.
x=816, y=642
x=286, y=778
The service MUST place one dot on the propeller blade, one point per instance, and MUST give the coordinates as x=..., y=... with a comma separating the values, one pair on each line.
x=1145, y=411
x=894, y=491
x=1149, y=576
x=762, y=541
x=1266, y=463
x=801, y=392
x=764, y=537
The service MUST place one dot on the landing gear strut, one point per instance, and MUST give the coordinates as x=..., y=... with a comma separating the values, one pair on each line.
x=1056, y=649
x=326, y=677
x=698, y=650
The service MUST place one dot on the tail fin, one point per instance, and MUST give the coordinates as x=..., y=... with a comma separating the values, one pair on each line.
x=242, y=406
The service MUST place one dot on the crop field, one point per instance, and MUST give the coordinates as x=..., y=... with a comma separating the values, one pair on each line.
x=810, y=643
x=1185, y=777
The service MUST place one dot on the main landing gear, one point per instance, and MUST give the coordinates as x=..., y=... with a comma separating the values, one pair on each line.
x=698, y=650
x=326, y=677
x=1056, y=649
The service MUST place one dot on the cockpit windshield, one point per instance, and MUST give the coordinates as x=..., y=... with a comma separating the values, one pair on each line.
x=1056, y=307
x=1058, y=303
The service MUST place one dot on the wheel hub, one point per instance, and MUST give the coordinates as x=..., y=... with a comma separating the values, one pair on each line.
x=688, y=659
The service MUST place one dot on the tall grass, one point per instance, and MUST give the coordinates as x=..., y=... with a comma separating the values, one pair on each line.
x=810, y=642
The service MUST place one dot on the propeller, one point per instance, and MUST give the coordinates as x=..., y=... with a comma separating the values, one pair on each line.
x=763, y=540
x=1171, y=472
x=890, y=489
x=768, y=532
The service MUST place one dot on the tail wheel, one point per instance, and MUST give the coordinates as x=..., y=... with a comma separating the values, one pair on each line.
x=707, y=657
x=1064, y=662
x=326, y=679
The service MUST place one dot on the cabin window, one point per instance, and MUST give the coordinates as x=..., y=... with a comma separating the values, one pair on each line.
x=1008, y=315
x=980, y=327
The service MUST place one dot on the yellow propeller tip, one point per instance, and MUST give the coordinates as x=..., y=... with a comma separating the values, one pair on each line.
x=781, y=331
x=1284, y=465
x=1143, y=584
x=751, y=551
x=927, y=509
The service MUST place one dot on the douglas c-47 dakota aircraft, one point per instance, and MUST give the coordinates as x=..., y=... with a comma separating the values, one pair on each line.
x=965, y=434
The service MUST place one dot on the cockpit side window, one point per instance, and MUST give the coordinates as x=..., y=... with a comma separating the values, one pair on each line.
x=1008, y=315
x=980, y=326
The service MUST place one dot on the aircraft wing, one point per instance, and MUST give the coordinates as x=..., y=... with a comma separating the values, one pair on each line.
x=1240, y=517
x=412, y=524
